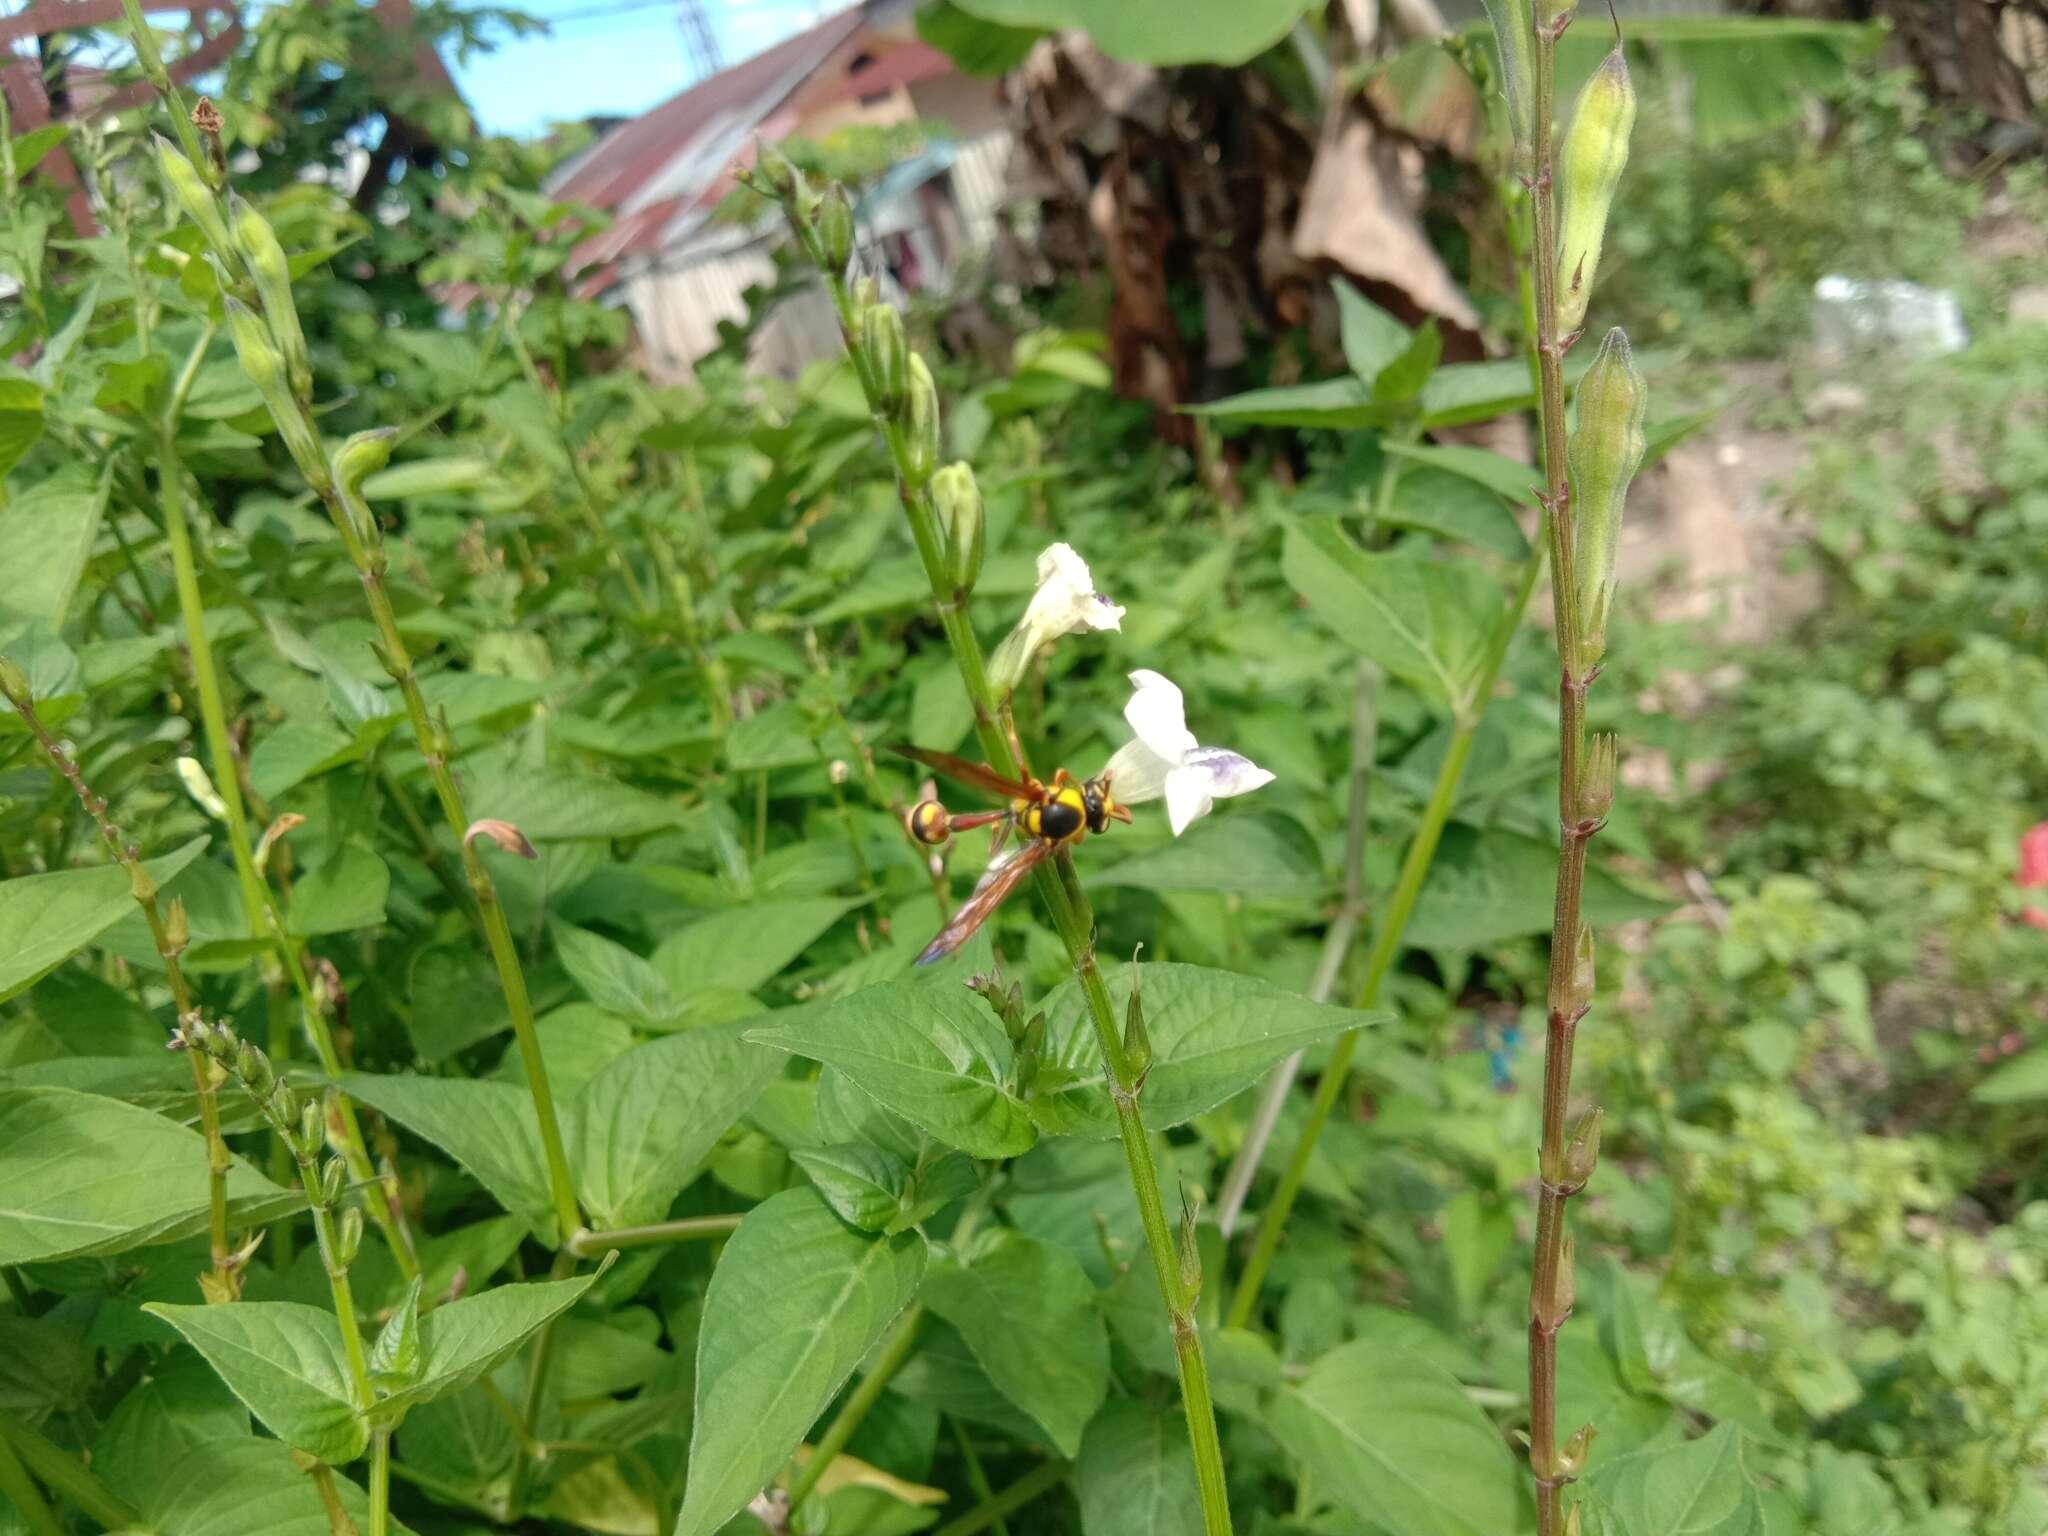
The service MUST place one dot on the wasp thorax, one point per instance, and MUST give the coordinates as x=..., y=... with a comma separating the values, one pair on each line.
x=929, y=823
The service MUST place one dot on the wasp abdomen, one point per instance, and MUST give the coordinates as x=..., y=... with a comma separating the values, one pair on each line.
x=929, y=823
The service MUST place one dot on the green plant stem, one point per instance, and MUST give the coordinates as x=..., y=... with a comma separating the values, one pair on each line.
x=16, y=1286
x=64, y=1473
x=151, y=60
x=1043, y=1478
x=1064, y=899
x=536, y=1392
x=21, y=1491
x=977, y=1478
x=587, y=1244
x=717, y=682
x=888, y=1360
x=380, y=1480
x=338, y=1287
x=1386, y=945
x=1562, y=1016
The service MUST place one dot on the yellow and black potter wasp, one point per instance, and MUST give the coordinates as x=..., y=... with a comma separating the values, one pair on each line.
x=1046, y=817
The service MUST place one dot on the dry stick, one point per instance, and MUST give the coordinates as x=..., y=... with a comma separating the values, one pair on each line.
x=225, y=1265
x=1064, y=899
x=1545, y=1318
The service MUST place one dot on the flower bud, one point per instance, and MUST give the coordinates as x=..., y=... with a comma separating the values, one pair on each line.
x=140, y=883
x=835, y=230
x=253, y=1068
x=503, y=834
x=272, y=274
x=274, y=834
x=1551, y=1308
x=774, y=172
x=1137, y=1042
x=200, y=788
x=1595, y=150
x=1514, y=34
x=333, y=1174
x=185, y=183
x=920, y=424
x=177, y=927
x=1571, y=1456
x=1582, y=1152
x=1606, y=449
x=1573, y=1524
x=1596, y=778
x=348, y=1236
x=310, y=1126
x=1580, y=995
x=888, y=354
x=960, y=511
x=14, y=684
x=361, y=457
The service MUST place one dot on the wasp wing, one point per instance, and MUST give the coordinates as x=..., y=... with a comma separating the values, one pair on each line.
x=979, y=775
x=997, y=881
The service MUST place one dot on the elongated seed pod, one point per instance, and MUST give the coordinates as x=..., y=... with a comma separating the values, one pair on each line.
x=264, y=364
x=1605, y=451
x=920, y=423
x=272, y=274
x=185, y=183
x=1595, y=151
x=888, y=351
x=959, y=502
x=1514, y=34
x=835, y=230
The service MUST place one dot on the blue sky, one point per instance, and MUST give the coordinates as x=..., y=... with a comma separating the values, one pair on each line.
x=613, y=56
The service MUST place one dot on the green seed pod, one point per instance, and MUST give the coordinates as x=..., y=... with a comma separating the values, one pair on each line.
x=1582, y=1153
x=1514, y=34
x=1595, y=150
x=272, y=274
x=264, y=365
x=184, y=182
x=310, y=1126
x=361, y=457
x=835, y=230
x=333, y=1174
x=14, y=684
x=888, y=354
x=1571, y=1456
x=920, y=423
x=284, y=1103
x=348, y=1236
x=1606, y=449
x=177, y=927
x=1596, y=778
x=959, y=502
x=253, y=1068
x=1190, y=1257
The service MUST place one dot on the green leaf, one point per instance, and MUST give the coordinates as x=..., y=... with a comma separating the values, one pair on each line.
x=611, y=975
x=456, y=1001
x=1489, y=886
x=1372, y=337
x=21, y=420
x=1404, y=377
x=1456, y=508
x=548, y=805
x=1338, y=404
x=2022, y=1080
x=248, y=1487
x=1191, y=32
x=287, y=1363
x=745, y=946
x=1136, y=1475
x=1505, y=477
x=30, y=147
x=345, y=893
x=1700, y=1488
x=1246, y=854
x=984, y=48
x=46, y=919
x=1214, y=1033
x=1397, y=1441
x=427, y=477
x=797, y=1301
x=1027, y=1310
x=926, y=1048
x=1424, y=621
x=1477, y=1234
x=175, y=1412
x=81, y=1174
x=48, y=533
x=463, y=1341
x=489, y=1128
x=396, y=1358
x=863, y=1184
x=642, y=1127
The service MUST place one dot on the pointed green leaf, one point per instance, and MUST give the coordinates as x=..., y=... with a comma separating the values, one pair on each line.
x=395, y=1359
x=46, y=919
x=863, y=1184
x=1136, y=1476
x=81, y=1174
x=1399, y=1443
x=926, y=1048
x=286, y=1362
x=1214, y=1033
x=745, y=946
x=464, y=1340
x=1372, y=337
x=1505, y=477
x=611, y=975
x=797, y=1301
x=1698, y=1488
x=1027, y=1310
x=489, y=1128
x=1489, y=885
x=248, y=1487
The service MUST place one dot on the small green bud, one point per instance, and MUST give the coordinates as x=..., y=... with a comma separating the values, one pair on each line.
x=1580, y=994
x=1582, y=1152
x=773, y=171
x=1595, y=150
x=217, y=1040
x=253, y=1068
x=888, y=354
x=920, y=424
x=959, y=502
x=1190, y=1257
x=348, y=1236
x=1606, y=449
x=361, y=457
x=177, y=927
x=1550, y=12
x=140, y=883
x=14, y=683
x=185, y=184
x=1137, y=1041
x=1514, y=34
x=265, y=367
x=835, y=230
x=1571, y=1456
x=1573, y=1522
x=333, y=1174
x=272, y=274
x=284, y=1103
x=1552, y=1308
x=311, y=1125
x=1596, y=778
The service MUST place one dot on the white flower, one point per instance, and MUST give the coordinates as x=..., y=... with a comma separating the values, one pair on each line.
x=201, y=789
x=1167, y=760
x=1066, y=603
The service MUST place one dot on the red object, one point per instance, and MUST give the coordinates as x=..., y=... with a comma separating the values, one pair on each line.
x=2034, y=868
